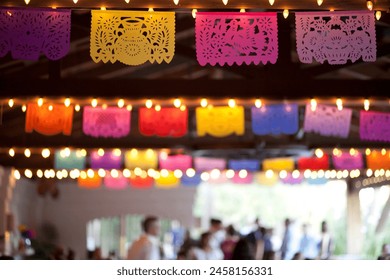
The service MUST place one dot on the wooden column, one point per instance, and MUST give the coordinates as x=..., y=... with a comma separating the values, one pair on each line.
x=384, y=217
x=354, y=221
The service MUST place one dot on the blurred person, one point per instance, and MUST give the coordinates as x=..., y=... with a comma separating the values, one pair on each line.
x=71, y=254
x=326, y=244
x=97, y=254
x=297, y=256
x=308, y=244
x=112, y=255
x=228, y=245
x=188, y=243
x=385, y=254
x=217, y=233
x=289, y=242
x=147, y=246
x=256, y=234
x=269, y=246
x=243, y=250
x=205, y=251
x=182, y=255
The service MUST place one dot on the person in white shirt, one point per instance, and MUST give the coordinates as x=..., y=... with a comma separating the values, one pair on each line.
x=147, y=246
x=326, y=245
x=205, y=251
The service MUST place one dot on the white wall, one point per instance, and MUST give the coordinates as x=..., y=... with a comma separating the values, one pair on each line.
x=74, y=207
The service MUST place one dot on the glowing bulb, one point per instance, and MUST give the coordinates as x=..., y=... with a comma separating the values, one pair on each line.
x=40, y=102
x=121, y=103
x=67, y=102
x=307, y=173
x=164, y=173
x=90, y=173
x=66, y=152
x=148, y=103
x=205, y=176
x=313, y=104
x=368, y=152
x=242, y=10
x=177, y=103
x=230, y=174
x=176, y=2
x=26, y=1
x=225, y=2
x=75, y=1
x=104, y=106
x=232, y=103
x=133, y=153
x=117, y=152
x=271, y=2
x=319, y=2
x=215, y=173
x=352, y=152
x=149, y=153
x=24, y=108
x=285, y=13
x=258, y=103
x=129, y=107
x=157, y=108
x=369, y=172
x=194, y=11
x=296, y=174
x=100, y=152
x=59, y=175
x=150, y=10
x=101, y=172
x=178, y=173
x=339, y=104
x=50, y=107
x=11, y=152
x=321, y=173
x=83, y=152
x=183, y=108
x=378, y=15
x=28, y=173
x=243, y=174
x=114, y=173
x=64, y=173
x=370, y=5
x=39, y=173
x=203, y=103
x=127, y=1
x=269, y=174
x=319, y=153
x=383, y=152
x=27, y=153
x=137, y=171
x=163, y=155
x=336, y=152
x=151, y=172
x=11, y=103
x=366, y=104
x=94, y=102
x=45, y=153
x=283, y=174
x=103, y=8
x=83, y=175
x=126, y=173
x=17, y=174
x=77, y=108
x=190, y=172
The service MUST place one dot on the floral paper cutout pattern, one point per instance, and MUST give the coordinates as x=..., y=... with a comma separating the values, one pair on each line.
x=75, y=160
x=220, y=121
x=228, y=38
x=335, y=37
x=375, y=126
x=109, y=160
x=132, y=37
x=175, y=162
x=347, y=161
x=49, y=119
x=143, y=159
x=106, y=122
x=206, y=164
x=314, y=163
x=28, y=32
x=167, y=122
x=328, y=121
x=377, y=160
x=279, y=164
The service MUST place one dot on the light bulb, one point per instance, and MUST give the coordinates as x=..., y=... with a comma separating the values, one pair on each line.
x=11, y=103
x=319, y=153
x=45, y=153
x=117, y=152
x=283, y=174
x=258, y=103
x=114, y=173
x=313, y=104
x=383, y=152
x=269, y=174
x=40, y=102
x=177, y=103
x=67, y=102
x=194, y=11
x=339, y=104
x=203, y=103
x=26, y=1
x=285, y=13
x=11, y=152
x=148, y=104
x=90, y=173
x=126, y=173
x=178, y=173
x=127, y=1
x=370, y=5
x=205, y=176
x=352, y=152
x=64, y=173
x=366, y=104
x=39, y=173
x=129, y=107
x=104, y=106
x=190, y=172
x=59, y=175
x=17, y=174
x=225, y=2
x=83, y=152
x=27, y=153
x=336, y=152
x=100, y=152
x=121, y=103
x=378, y=15
x=103, y=8
x=50, y=107
x=75, y=1
x=296, y=174
x=77, y=108
x=271, y=2
x=94, y=102
x=215, y=173
x=101, y=172
x=157, y=108
x=232, y=103
x=24, y=108
x=230, y=173
x=150, y=10
x=176, y=2
x=319, y=2
x=242, y=10
x=242, y=173
x=368, y=152
x=183, y=108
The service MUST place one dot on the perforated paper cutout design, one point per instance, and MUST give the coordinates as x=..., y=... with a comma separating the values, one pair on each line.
x=168, y=122
x=314, y=163
x=374, y=126
x=236, y=38
x=290, y=180
x=108, y=161
x=275, y=119
x=138, y=182
x=119, y=182
x=328, y=121
x=335, y=37
x=173, y=162
x=346, y=161
x=247, y=164
x=220, y=121
x=279, y=164
x=90, y=183
x=193, y=181
x=206, y=164
x=27, y=33
x=167, y=182
x=268, y=181
x=248, y=179
x=49, y=119
x=74, y=161
x=132, y=37
x=143, y=159
x=109, y=122
x=376, y=160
